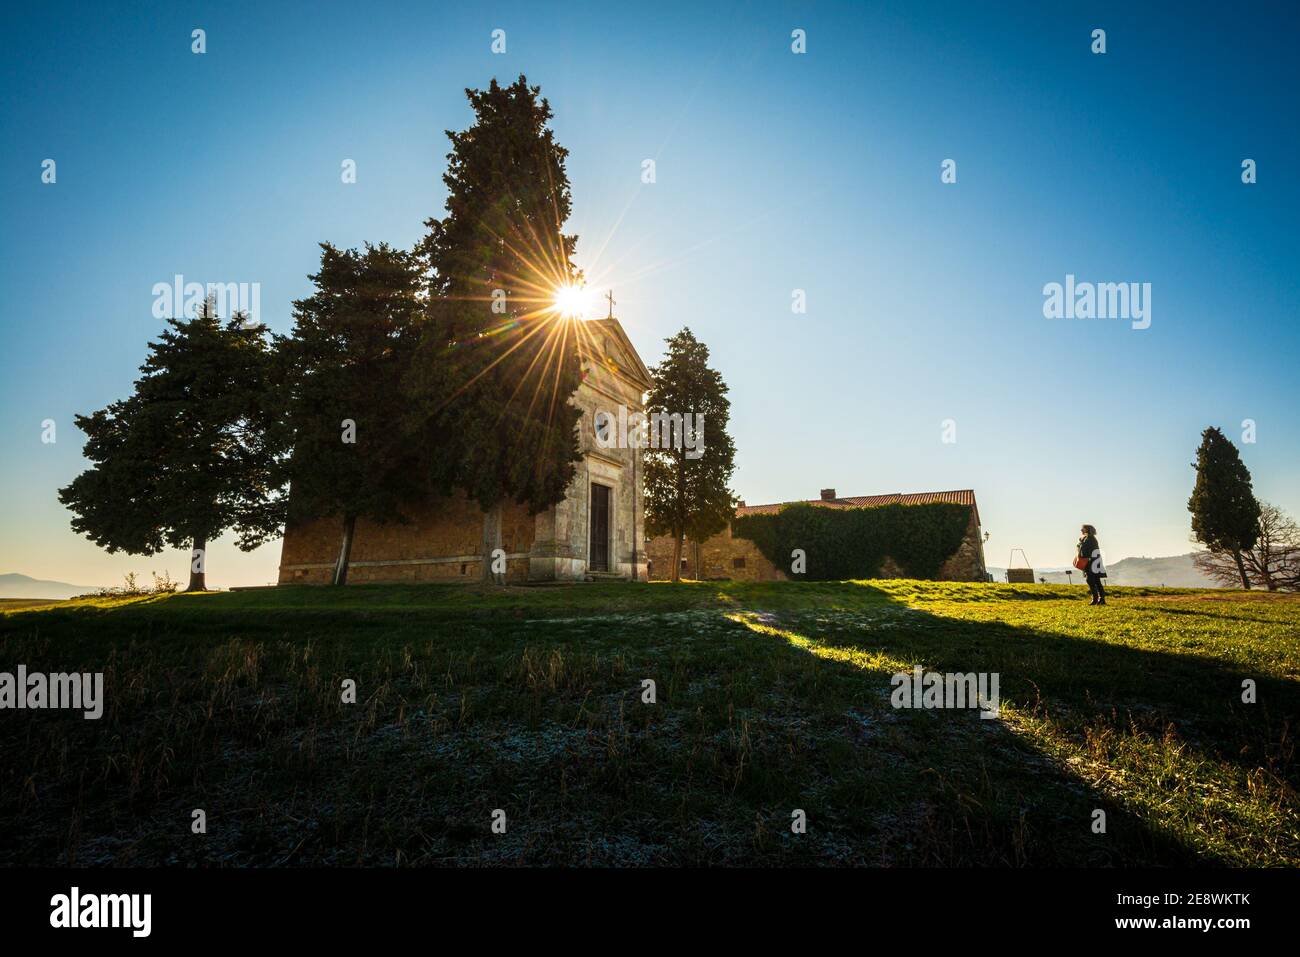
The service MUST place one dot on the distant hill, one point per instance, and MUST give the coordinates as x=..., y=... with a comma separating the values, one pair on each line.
x=14, y=585
x=1176, y=571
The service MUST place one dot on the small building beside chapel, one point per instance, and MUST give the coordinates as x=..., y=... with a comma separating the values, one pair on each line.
x=595, y=532
x=725, y=556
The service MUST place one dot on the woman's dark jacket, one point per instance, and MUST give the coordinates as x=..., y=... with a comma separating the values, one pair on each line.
x=1087, y=550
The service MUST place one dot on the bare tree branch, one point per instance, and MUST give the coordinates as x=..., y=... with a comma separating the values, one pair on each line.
x=1274, y=562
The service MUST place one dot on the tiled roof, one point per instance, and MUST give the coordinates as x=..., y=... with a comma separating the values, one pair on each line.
x=963, y=496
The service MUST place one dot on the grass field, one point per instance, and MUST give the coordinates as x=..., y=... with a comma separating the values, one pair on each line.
x=770, y=698
x=13, y=604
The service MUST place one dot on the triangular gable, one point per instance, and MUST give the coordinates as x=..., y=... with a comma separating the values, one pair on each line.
x=626, y=361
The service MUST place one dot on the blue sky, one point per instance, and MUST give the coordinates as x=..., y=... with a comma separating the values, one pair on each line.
x=775, y=172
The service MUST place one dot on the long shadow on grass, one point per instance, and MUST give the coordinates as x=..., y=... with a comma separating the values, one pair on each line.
x=1100, y=698
x=469, y=707
x=1165, y=610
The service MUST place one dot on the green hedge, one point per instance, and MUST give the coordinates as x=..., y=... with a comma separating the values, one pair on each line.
x=844, y=543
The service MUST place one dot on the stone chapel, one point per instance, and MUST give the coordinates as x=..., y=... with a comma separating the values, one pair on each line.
x=594, y=533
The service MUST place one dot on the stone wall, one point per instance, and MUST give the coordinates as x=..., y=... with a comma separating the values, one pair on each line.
x=719, y=557
x=442, y=542
x=725, y=556
x=967, y=563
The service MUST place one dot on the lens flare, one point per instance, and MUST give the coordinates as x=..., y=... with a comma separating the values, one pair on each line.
x=572, y=301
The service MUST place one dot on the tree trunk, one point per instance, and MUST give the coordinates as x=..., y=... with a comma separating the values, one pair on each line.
x=1241, y=569
x=491, y=542
x=345, y=550
x=677, y=558
x=198, y=565
x=1260, y=565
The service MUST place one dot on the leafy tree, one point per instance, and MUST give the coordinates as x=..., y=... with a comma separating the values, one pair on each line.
x=496, y=358
x=188, y=455
x=1225, y=515
x=1274, y=560
x=343, y=368
x=688, y=496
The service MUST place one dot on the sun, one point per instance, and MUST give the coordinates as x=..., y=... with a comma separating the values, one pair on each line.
x=572, y=301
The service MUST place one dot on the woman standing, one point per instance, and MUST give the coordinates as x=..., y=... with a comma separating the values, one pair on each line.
x=1089, y=562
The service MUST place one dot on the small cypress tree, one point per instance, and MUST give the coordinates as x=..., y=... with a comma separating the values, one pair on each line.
x=343, y=367
x=1225, y=514
x=685, y=496
x=188, y=455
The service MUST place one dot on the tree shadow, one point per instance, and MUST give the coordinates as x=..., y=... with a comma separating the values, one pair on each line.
x=1205, y=614
x=683, y=782
x=1161, y=720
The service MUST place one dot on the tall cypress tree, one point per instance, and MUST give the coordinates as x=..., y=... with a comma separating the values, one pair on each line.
x=497, y=362
x=1225, y=514
x=689, y=496
x=343, y=366
x=188, y=455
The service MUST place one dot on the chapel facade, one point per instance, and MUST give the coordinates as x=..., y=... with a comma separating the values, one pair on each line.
x=596, y=532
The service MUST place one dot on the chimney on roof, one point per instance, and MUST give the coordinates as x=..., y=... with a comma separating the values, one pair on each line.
x=828, y=495
x=740, y=503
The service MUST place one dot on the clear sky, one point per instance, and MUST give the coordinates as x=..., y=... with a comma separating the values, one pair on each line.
x=774, y=172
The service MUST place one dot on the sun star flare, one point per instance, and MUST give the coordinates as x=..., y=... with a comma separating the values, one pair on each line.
x=572, y=301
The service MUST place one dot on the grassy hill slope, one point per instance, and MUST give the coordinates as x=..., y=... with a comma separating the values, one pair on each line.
x=771, y=698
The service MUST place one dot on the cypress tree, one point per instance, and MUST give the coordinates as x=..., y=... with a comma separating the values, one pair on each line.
x=689, y=497
x=1225, y=514
x=497, y=362
x=343, y=368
